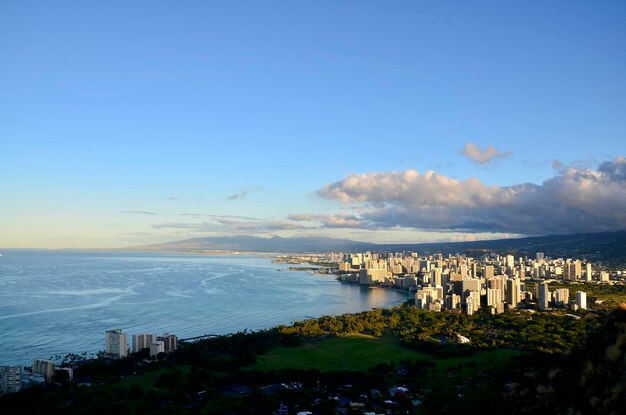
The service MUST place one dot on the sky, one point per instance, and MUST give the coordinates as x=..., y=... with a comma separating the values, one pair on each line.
x=131, y=123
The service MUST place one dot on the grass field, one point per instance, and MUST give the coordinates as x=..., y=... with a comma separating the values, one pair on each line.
x=362, y=352
x=355, y=352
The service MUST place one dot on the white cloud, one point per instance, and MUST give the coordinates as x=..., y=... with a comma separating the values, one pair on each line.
x=340, y=220
x=473, y=153
x=575, y=200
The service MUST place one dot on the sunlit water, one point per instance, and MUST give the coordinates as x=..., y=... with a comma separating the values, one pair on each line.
x=56, y=302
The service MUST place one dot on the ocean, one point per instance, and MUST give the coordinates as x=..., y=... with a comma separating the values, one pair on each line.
x=57, y=302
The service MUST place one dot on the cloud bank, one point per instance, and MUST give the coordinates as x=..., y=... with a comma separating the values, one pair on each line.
x=473, y=153
x=575, y=200
x=341, y=220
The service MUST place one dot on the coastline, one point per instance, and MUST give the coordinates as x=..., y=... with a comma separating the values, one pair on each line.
x=99, y=301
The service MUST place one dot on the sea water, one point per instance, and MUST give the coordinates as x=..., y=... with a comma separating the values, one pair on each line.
x=57, y=302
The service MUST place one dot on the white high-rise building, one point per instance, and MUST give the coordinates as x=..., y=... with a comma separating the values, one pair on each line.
x=588, y=272
x=472, y=302
x=581, y=299
x=116, y=343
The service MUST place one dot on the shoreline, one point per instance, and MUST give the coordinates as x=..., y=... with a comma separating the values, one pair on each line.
x=335, y=308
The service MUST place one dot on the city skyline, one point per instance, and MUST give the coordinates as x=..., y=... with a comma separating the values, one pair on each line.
x=131, y=124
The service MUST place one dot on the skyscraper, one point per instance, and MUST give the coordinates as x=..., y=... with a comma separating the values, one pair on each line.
x=572, y=270
x=581, y=299
x=116, y=343
x=543, y=299
x=513, y=292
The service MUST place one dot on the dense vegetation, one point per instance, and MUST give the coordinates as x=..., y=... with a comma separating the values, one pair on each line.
x=427, y=331
x=508, y=356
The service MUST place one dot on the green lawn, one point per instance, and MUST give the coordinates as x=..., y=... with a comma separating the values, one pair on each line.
x=362, y=352
x=354, y=352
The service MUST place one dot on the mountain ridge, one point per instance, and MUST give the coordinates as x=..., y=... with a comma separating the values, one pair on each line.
x=603, y=246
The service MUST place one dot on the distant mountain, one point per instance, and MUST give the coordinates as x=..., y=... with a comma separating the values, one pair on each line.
x=258, y=244
x=608, y=247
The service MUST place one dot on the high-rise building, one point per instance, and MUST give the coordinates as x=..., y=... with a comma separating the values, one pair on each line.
x=116, y=343
x=142, y=341
x=156, y=347
x=435, y=276
x=472, y=284
x=581, y=299
x=513, y=292
x=572, y=270
x=494, y=296
x=543, y=297
x=472, y=302
x=540, y=256
x=604, y=276
x=510, y=261
x=170, y=342
x=427, y=295
x=588, y=271
x=488, y=272
x=10, y=379
x=578, y=269
x=561, y=297
x=497, y=282
x=453, y=302
x=44, y=367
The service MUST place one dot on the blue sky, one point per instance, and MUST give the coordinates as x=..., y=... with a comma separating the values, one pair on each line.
x=119, y=120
